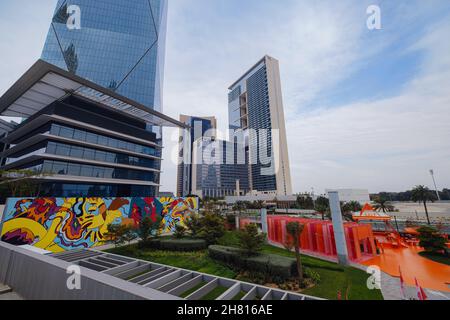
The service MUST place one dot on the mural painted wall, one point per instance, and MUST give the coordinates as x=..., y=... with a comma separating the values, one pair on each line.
x=62, y=224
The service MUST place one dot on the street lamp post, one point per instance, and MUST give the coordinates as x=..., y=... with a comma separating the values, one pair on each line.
x=434, y=181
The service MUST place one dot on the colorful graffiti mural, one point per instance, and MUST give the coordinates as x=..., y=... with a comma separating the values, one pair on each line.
x=62, y=224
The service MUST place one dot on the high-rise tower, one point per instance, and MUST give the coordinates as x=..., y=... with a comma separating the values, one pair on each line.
x=255, y=107
x=119, y=45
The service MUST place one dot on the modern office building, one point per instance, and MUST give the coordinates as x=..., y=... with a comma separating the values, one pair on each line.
x=79, y=138
x=199, y=127
x=255, y=107
x=347, y=195
x=219, y=168
x=119, y=45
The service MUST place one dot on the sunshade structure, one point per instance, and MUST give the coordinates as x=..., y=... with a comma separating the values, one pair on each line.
x=45, y=83
x=369, y=213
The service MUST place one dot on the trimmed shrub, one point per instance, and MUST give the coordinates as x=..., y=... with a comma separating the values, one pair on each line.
x=182, y=244
x=149, y=244
x=180, y=231
x=273, y=265
x=431, y=240
x=212, y=228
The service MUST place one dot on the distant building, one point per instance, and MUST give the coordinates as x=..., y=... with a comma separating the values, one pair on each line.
x=199, y=127
x=255, y=108
x=220, y=169
x=347, y=195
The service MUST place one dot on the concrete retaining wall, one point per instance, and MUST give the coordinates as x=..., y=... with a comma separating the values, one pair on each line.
x=39, y=277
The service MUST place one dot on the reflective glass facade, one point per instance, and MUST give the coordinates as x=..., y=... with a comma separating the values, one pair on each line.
x=259, y=118
x=200, y=127
x=95, y=138
x=76, y=158
x=249, y=107
x=220, y=167
x=120, y=45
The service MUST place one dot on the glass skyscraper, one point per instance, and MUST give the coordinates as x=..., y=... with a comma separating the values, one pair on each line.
x=199, y=128
x=120, y=45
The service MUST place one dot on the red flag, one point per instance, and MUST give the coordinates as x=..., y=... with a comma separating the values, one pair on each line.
x=402, y=283
x=420, y=292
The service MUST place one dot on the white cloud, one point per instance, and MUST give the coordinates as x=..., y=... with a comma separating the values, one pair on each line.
x=24, y=25
x=388, y=144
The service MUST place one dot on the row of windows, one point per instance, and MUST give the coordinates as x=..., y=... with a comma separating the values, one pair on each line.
x=80, y=135
x=94, y=190
x=97, y=155
x=81, y=170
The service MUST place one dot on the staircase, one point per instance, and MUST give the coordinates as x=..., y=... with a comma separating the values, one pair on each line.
x=6, y=293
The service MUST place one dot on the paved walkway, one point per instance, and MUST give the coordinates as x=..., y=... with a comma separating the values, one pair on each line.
x=391, y=290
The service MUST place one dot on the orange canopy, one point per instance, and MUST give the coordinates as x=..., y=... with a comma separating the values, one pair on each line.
x=369, y=213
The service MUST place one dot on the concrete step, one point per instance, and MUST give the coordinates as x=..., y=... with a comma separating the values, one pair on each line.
x=4, y=289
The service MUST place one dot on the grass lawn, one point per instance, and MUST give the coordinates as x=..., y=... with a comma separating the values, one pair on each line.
x=333, y=276
x=436, y=257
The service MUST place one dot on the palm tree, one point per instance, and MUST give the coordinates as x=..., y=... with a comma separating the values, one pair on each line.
x=240, y=206
x=422, y=194
x=354, y=206
x=382, y=204
x=295, y=230
x=259, y=204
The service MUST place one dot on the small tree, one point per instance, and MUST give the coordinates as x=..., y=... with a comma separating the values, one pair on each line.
x=322, y=205
x=180, y=231
x=295, y=230
x=194, y=225
x=116, y=234
x=305, y=202
x=129, y=234
x=250, y=240
x=212, y=228
x=149, y=228
x=431, y=240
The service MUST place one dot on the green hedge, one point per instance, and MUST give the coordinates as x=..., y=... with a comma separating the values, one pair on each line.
x=175, y=244
x=274, y=265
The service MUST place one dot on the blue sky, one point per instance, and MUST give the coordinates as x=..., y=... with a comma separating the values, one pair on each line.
x=364, y=109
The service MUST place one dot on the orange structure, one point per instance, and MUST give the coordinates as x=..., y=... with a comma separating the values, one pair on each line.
x=318, y=237
x=432, y=275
